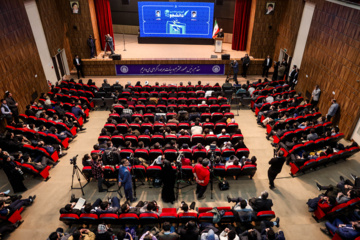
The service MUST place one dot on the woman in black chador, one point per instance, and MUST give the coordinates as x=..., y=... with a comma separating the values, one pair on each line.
x=14, y=175
x=168, y=175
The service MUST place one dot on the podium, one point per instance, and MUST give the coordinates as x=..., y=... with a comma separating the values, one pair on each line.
x=218, y=44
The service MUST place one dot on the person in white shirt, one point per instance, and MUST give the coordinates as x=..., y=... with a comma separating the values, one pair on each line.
x=196, y=129
x=228, y=234
x=269, y=99
x=315, y=95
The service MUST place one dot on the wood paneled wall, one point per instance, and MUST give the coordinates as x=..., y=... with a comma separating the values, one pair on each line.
x=54, y=28
x=19, y=57
x=264, y=28
x=289, y=27
x=332, y=60
x=78, y=27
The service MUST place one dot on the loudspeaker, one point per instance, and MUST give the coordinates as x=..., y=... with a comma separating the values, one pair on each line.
x=219, y=2
x=116, y=57
x=213, y=56
x=125, y=2
x=225, y=56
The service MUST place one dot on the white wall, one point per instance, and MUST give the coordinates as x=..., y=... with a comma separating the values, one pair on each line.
x=303, y=33
x=40, y=40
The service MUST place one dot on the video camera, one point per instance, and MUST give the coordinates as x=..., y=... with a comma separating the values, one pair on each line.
x=73, y=160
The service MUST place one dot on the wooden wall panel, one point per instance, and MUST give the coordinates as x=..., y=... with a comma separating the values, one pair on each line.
x=19, y=58
x=331, y=59
x=289, y=27
x=54, y=28
x=265, y=28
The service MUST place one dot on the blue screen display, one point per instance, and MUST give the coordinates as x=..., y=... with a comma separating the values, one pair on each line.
x=176, y=19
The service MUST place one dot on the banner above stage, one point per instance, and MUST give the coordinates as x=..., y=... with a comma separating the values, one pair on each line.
x=170, y=69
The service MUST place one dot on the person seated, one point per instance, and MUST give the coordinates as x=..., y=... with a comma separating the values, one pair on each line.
x=209, y=235
x=351, y=230
x=168, y=232
x=342, y=192
x=198, y=146
x=251, y=234
x=196, y=129
x=105, y=84
x=312, y=135
x=111, y=206
x=218, y=161
x=267, y=233
x=184, y=208
x=104, y=232
x=189, y=231
x=223, y=132
x=151, y=207
x=126, y=208
x=4, y=196
x=7, y=210
x=82, y=234
x=261, y=203
x=59, y=235
x=228, y=234
x=324, y=202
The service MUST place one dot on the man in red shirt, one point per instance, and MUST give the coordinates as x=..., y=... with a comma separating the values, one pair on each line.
x=202, y=176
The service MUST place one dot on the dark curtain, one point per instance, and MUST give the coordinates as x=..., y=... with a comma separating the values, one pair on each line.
x=241, y=24
x=103, y=16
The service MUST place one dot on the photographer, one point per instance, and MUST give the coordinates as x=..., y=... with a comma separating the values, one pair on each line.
x=109, y=42
x=276, y=165
x=125, y=179
x=98, y=173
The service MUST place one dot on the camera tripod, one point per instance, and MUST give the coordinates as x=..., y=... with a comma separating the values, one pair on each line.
x=77, y=172
x=179, y=177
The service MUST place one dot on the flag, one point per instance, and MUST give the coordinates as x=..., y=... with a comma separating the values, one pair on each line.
x=216, y=29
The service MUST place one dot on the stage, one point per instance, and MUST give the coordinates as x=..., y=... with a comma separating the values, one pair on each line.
x=134, y=50
x=163, y=57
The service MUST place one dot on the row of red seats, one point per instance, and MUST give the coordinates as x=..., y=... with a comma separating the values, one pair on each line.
x=151, y=172
x=323, y=161
x=180, y=100
x=288, y=136
x=68, y=84
x=278, y=89
x=153, y=108
x=263, y=84
x=123, y=127
x=172, y=154
x=291, y=121
x=283, y=102
x=46, y=137
x=167, y=215
x=67, y=99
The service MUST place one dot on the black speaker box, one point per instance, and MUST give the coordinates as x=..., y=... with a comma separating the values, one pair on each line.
x=125, y=2
x=116, y=57
x=225, y=56
x=219, y=2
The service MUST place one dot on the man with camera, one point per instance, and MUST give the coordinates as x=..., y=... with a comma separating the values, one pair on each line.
x=202, y=175
x=109, y=42
x=98, y=173
x=276, y=164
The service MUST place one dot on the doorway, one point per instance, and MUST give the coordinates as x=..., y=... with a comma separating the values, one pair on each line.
x=60, y=65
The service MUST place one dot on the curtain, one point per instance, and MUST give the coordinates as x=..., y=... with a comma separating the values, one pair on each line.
x=103, y=16
x=241, y=24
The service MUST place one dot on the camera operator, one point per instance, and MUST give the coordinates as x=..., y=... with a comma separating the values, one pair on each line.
x=276, y=164
x=98, y=173
x=125, y=179
x=109, y=42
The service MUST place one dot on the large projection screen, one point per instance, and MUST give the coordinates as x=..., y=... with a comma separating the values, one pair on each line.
x=176, y=19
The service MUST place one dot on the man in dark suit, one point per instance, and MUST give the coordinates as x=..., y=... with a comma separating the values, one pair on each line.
x=245, y=64
x=91, y=44
x=235, y=66
x=220, y=34
x=266, y=66
x=78, y=64
x=276, y=165
x=262, y=203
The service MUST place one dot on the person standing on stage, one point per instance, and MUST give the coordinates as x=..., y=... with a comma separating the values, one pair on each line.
x=109, y=42
x=13, y=105
x=125, y=179
x=235, y=66
x=78, y=64
x=220, y=34
x=245, y=64
x=202, y=175
x=91, y=44
x=266, y=66
x=276, y=165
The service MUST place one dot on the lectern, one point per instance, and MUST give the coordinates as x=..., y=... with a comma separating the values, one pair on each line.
x=218, y=44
